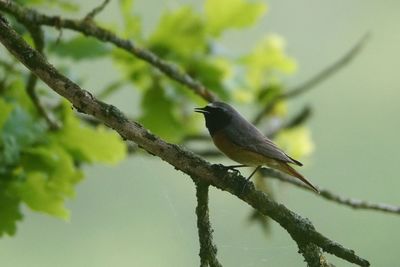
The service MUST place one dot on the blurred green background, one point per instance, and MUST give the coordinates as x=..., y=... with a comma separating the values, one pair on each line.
x=141, y=213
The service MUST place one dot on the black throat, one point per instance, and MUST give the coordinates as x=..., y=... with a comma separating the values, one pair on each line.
x=217, y=121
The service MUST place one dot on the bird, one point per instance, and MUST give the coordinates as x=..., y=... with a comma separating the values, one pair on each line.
x=242, y=142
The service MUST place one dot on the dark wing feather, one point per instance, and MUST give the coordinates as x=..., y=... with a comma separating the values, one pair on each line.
x=249, y=137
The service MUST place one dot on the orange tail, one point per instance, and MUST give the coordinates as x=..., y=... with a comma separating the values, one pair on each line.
x=289, y=170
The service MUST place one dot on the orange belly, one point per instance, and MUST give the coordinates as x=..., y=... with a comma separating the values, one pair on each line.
x=239, y=154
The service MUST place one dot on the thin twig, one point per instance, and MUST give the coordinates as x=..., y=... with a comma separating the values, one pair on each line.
x=208, y=250
x=96, y=10
x=198, y=169
x=110, y=89
x=91, y=29
x=299, y=119
x=330, y=70
x=195, y=137
x=328, y=195
x=317, y=79
x=38, y=40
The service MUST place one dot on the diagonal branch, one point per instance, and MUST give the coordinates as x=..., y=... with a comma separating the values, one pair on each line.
x=329, y=71
x=328, y=195
x=197, y=168
x=89, y=28
x=317, y=79
x=208, y=250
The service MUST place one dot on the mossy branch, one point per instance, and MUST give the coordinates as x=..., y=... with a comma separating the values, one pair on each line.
x=197, y=168
x=208, y=250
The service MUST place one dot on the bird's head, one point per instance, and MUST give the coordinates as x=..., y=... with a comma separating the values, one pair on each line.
x=217, y=115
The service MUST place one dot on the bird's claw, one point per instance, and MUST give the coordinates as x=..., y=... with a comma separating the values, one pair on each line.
x=227, y=168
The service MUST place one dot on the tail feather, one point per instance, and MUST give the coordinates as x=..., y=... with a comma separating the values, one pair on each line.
x=298, y=163
x=289, y=170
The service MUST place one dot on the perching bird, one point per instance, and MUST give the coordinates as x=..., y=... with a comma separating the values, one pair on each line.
x=244, y=143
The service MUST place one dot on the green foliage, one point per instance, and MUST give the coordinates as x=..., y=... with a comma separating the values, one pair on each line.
x=184, y=39
x=266, y=61
x=224, y=14
x=296, y=142
x=9, y=211
x=80, y=48
x=5, y=110
x=80, y=140
x=40, y=168
x=158, y=114
x=49, y=178
x=132, y=22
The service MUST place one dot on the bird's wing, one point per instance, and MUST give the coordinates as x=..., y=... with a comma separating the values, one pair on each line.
x=250, y=138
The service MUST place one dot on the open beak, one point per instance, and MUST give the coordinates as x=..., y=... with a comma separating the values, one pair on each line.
x=201, y=110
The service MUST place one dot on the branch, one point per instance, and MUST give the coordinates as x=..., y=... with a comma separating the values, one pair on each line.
x=96, y=10
x=197, y=168
x=38, y=40
x=328, y=195
x=297, y=120
x=91, y=29
x=208, y=251
x=317, y=79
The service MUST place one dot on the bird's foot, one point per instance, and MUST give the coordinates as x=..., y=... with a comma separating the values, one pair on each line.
x=232, y=168
x=248, y=179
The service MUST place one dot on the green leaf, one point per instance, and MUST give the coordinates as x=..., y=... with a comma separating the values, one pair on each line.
x=50, y=178
x=10, y=150
x=158, y=114
x=132, y=22
x=80, y=47
x=210, y=71
x=16, y=95
x=296, y=142
x=65, y=5
x=19, y=131
x=31, y=2
x=266, y=61
x=181, y=31
x=89, y=144
x=23, y=127
x=225, y=14
x=5, y=110
x=136, y=71
x=9, y=211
